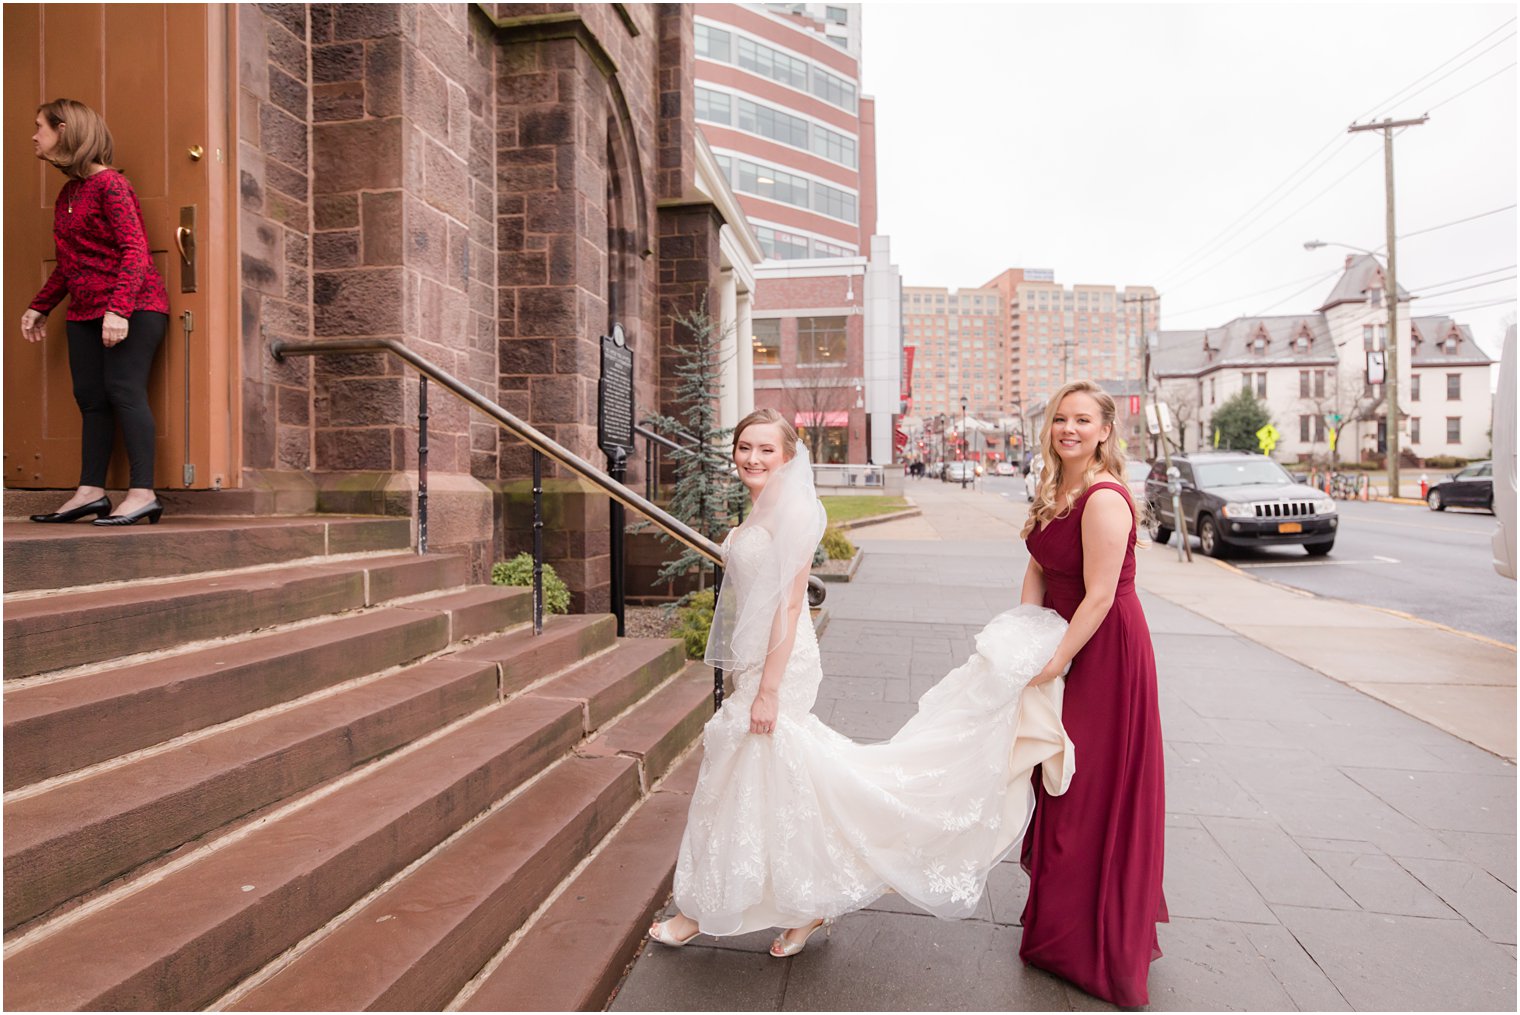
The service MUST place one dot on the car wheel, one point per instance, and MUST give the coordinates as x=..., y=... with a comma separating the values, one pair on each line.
x=1159, y=533
x=1208, y=538
x=1434, y=500
x=1319, y=549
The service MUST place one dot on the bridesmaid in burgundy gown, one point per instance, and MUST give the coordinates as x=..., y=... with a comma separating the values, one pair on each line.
x=1094, y=855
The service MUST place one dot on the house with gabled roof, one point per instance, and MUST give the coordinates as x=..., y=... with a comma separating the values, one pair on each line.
x=1311, y=370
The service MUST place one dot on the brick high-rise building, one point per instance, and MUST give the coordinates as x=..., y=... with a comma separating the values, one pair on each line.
x=959, y=338
x=777, y=95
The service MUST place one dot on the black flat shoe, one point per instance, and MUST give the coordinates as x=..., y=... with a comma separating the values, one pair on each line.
x=99, y=508
x=153, y=512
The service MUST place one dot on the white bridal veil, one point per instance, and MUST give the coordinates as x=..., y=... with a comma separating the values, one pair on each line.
x=750, y=618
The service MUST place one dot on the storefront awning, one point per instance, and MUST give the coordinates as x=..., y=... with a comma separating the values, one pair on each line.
x=839, y=418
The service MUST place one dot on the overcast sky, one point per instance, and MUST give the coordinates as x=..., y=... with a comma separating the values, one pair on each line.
x=1195, y=147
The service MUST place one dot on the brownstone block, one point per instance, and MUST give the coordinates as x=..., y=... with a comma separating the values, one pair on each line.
x=363, y=401
x=287, y=93
x=365, y=21
x=459, y=254
x=427, y=237
x=383, y=234
x=287, y=50
x=552, y=212
x=556, y=399
x=365, y=155
x=339, y=62
x=447, y=182
x=294, y=444
x=425, y=94
x=335, y=211
x=382, y=77
x=350, y=449
x=295, y=406
x=526, y=356
x=335, y=249
x=282, y=136
x=526, y=169
x=547, y=312
x=357, y=302
x=341, y=101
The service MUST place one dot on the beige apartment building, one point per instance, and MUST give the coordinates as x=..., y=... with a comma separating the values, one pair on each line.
x=958, y=342
x=1059, y=333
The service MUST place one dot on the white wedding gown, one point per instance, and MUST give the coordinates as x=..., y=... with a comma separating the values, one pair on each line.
x=805, y=823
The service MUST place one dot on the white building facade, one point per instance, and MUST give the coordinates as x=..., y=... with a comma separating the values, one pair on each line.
x=1311, y=371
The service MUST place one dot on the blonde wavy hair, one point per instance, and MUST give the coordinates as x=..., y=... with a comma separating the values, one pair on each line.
x=788, y=432
x=83, y=137
x=1107, y=463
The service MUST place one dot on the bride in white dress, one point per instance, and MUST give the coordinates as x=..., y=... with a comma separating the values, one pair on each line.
x=792, y=823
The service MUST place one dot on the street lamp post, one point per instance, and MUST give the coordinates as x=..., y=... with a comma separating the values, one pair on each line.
x=965, y=446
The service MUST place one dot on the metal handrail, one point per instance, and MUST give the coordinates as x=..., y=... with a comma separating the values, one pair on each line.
x=529, y=434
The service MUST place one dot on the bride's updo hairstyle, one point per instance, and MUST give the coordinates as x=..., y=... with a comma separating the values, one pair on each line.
x=788, y=432
x=1107, y=463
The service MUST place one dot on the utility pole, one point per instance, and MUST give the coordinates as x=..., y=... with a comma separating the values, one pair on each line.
x=1391, y=294
x=1145, y=361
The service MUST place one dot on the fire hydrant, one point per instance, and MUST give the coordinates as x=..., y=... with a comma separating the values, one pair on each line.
x=1424, y=486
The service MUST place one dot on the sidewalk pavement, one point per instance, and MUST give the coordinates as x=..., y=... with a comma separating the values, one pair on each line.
x=1325, y=849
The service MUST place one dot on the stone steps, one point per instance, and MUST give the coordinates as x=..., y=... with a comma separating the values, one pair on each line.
x=65, y=556
x=89, y=627
x=361, y=807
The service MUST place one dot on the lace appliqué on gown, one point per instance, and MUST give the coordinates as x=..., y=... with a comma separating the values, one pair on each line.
x=806, y=823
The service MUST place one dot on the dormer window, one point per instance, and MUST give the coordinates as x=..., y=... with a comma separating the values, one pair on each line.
x=1258, y=346
x=1301, y=344
x=1449, y=347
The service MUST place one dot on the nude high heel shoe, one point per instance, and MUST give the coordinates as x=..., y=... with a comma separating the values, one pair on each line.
x=660, y=932
x=781, y=948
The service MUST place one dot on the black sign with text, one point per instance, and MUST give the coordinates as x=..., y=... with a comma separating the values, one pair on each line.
x=614, y=414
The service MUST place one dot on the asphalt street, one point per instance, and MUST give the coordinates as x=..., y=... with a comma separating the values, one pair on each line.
x=1433, y=565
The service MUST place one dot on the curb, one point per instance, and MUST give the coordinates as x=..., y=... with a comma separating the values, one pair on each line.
x=856, y=523
x=848, y=575
x=1412, y=502
x=1306, y=594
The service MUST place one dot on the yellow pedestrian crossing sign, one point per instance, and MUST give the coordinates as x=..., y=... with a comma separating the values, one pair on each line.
x=1268, y=436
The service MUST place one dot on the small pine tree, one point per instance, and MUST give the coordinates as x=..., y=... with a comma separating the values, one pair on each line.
x=1237, y=421
x=706, y=496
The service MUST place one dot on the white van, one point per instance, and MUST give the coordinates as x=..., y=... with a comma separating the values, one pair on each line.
x=1504, y=459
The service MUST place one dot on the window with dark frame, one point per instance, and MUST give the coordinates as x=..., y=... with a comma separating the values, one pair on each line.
x=1453, y=387
x=1453, y=429
x=1414, y=387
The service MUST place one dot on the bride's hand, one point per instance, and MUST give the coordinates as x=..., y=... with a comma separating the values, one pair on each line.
x=1051, y=671
x=762, y=714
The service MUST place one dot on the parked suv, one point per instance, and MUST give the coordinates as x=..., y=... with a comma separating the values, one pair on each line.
x=1235, y=498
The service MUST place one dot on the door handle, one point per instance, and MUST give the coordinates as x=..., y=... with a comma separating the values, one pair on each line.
x=184, y=241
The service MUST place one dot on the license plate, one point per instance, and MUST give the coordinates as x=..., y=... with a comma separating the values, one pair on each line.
x=1290, y=527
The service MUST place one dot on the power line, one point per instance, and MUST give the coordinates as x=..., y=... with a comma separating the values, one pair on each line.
x=1246, y=296
x=1404, y=100
x=1464, y=278
x=1470, y=306
x=1281, y=221
x=1300, y=292
x=1399, y=95
x=1223, y=235
x=1470, y=87
x=1475, y=285
x=1457, y=222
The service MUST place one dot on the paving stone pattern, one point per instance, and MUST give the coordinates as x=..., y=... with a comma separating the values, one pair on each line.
x=1324, y=850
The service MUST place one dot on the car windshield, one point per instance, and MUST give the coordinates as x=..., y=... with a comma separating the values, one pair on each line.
x=1245, y=472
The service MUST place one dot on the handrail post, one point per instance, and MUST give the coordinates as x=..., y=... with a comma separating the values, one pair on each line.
x=717, y=670
x=422, y=460
x=538, y=542
x=618, y=469
x=649, y=467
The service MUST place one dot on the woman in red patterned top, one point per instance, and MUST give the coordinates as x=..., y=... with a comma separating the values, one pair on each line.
x=118, y=310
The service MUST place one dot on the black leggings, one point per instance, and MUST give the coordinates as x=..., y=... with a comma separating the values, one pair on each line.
x=111, y=385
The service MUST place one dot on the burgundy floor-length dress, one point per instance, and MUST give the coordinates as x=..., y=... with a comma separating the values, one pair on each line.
x=1094, y=855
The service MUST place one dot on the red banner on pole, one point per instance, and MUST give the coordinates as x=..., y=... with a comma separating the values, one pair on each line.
x=1134, y=405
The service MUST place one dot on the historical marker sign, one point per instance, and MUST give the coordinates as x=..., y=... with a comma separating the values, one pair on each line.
x=614, y=417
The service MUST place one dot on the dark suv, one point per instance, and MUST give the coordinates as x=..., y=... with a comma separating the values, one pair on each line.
x=1235, y=498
